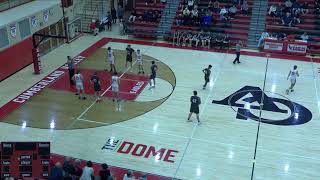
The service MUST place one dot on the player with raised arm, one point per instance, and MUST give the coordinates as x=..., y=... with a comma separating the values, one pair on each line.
x=293, y=74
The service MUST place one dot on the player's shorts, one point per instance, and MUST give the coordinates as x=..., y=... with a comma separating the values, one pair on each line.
x=79, y=86
x=293, y=80
x=129, y=58
x=115, y=88
x=194, y=109
x=97, y=88
x=206, y=79
x=139, y=62
x=111, y=61
x=152, y=76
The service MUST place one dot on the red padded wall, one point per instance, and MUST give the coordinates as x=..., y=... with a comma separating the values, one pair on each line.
x=15, y=58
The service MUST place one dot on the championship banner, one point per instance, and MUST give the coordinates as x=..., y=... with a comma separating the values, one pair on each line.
x=297, y=48
x=274, y=46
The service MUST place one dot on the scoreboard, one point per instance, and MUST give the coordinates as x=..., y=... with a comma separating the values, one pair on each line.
x=25, y=159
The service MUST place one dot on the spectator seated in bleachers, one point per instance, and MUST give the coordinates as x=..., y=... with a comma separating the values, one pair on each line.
x=287, y=20
x=216, y=6
x=207, y=21
x=273, y=10
x=223, y=11
x=201, y=39
x=305, y=8
x=132, y=17
x=304, y=37
x=233, y=10
x=288, y=5
x=245, y=7
x=190, y=4
x=317, y=7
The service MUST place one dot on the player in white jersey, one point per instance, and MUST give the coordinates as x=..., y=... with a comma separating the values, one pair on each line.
x=293, y=74
x=111, y=60
x=78, y=79
x=115, y=83
x=139, y=61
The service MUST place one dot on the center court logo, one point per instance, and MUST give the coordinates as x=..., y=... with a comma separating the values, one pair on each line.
x=250, y=100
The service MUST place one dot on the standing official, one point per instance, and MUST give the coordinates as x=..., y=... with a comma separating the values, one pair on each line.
x=238, y=50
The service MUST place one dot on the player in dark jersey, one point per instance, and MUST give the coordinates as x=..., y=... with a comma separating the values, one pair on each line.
x=129, y=55
x=95, y=80
x=153, y=75
x=195, y=102
x=207, y=72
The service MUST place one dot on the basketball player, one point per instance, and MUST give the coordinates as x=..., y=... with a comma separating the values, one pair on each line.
x=70, y=64
x=195, y=102
x=293, y=74
x=78, y=79
x=115, y=83
x=129, y=55
x=207, y=73
x=95, y=80
x=153, y=75
x=139, y=61
x=111, y=60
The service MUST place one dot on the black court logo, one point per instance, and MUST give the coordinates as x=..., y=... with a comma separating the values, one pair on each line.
x=253, y=103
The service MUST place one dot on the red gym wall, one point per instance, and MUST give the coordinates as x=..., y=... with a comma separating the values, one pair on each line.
x=15, y=58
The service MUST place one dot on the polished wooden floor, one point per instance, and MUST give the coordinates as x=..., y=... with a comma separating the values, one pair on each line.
x=224, y=146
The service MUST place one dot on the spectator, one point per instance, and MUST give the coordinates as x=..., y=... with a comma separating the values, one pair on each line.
x=304, y=36
x=262, y=37
x=233, y=10
x=132, y=17
x=287, y=20
x=109, y=21
x=305, y=8
x=245, y=7
x=128, y=175
x=87, y=172
x=288, y=5
x=77, y=169
x=207, y=21
x=163, y=1
x=120, y=12
x=223, y=11
x=190, y=4
x=94, y=28
x=296, y=20
x=114, y=15
x=296, y=7
x=56, y=172
x=121, y=28
x=68, y=167
x=272, y=10
x=143, y=177
x=216, y=6
x=104, y=172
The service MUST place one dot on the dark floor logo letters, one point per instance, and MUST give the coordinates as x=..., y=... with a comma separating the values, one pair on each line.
x=298, y=114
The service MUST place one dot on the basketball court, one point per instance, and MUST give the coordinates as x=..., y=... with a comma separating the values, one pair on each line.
x=251, y=129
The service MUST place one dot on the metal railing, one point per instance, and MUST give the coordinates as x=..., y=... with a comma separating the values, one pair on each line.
x=8, y=4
